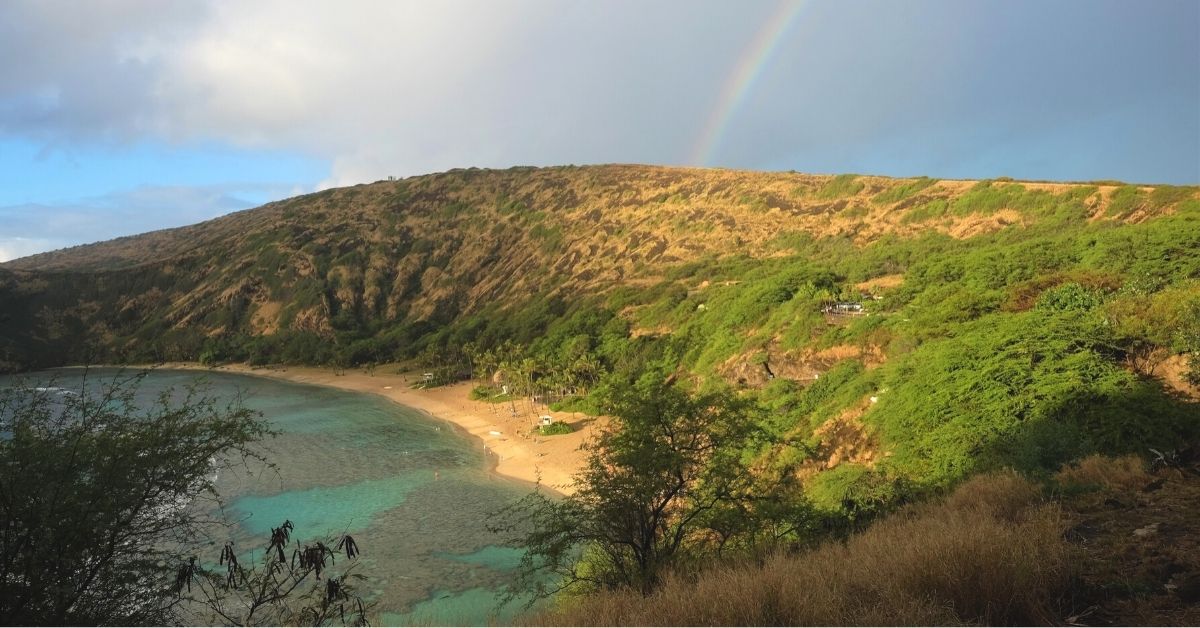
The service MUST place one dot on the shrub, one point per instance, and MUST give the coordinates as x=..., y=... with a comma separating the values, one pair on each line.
x=1166, y=195
x=486, y=393
x=1124, y=201
x=208, y=357
x=900, y=192
x=927, y=211
x=1124, y=473
x=584, y=404
x=554, y=429
x=986, y=198
x=1030, y=390
x=1070, y=297
x=992, y=553
x=840, y=186
x=101, y=513
x=854, y=492
x=651, y=493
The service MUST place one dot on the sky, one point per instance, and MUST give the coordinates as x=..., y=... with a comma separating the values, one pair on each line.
x=124, y=116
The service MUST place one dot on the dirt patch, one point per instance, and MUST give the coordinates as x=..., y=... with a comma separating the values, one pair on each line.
x=845, y=438
x=886, y=282
x=638, y=332
x=312, y=319
x=871, y=356
x=265, y=319
x=749, y=369
x=1172, y=372
x=955, y=186
x=976, y=224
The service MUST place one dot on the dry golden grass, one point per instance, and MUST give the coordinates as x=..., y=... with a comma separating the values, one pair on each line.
x=991, y=553
x=1127, y=473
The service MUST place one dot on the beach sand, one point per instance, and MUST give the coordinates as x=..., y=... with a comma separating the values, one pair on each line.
x=511, y=441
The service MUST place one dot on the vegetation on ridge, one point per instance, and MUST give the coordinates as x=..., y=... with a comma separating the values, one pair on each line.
x=889, y=338
x=1102, y=542
x=1023, y=325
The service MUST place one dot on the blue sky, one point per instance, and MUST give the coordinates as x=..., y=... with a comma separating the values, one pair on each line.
x=132, y=115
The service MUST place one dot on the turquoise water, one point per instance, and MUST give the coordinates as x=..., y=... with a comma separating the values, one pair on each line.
x=414, y=492
x=453, y=608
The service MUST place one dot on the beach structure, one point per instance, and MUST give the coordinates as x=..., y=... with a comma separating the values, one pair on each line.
x=546, y=419
x=843, y=307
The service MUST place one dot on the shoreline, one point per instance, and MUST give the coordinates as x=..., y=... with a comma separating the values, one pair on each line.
x=512, y=447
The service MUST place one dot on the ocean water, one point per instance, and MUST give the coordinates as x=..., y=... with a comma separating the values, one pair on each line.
x=414, y=491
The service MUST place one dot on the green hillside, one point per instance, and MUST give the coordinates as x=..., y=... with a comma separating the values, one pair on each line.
x=1002, y=323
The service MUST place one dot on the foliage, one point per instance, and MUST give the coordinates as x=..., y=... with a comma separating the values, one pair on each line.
x=95, y=496
x=1070, y=297
x=986, y=198
x=900, y=192
x=650, y=493
x=489, y=394
x=840, y=186
x=935, y=208
x=992, y=553
x=1001, y=342
x=1127, y=199
x=1123, y=201
x=1033, y=390
x=284, y=588
x=856, y=493
x=554, y=429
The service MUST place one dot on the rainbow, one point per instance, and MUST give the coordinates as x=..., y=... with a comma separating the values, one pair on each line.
x=754, y=59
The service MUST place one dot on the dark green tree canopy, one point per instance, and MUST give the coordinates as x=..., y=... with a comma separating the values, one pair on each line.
x=97, y=497
x=654, y=492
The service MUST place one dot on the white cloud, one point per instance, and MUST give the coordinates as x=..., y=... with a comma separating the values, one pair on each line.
x=379, y=87
x=400, y=87
x=32, y=228
x=12, y=248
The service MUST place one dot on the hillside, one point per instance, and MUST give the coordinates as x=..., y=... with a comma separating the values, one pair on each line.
x=436, y=247
x=1105, y=542
x=1002, y=323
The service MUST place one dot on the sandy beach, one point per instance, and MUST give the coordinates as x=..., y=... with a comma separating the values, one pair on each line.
x=511, y=441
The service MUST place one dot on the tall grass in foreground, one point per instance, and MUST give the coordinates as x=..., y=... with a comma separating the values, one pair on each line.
x=990, y=553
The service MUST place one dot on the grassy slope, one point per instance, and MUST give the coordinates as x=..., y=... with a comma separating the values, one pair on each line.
x=1016, y=324
x=1102, y=543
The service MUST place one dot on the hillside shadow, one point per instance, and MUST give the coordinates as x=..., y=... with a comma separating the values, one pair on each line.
x=1134, y=422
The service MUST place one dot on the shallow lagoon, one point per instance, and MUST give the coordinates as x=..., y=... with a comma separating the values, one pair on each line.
x=413, y=491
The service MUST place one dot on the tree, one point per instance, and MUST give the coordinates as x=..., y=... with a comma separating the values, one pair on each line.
x=98, y=500
x=654, y=484
x=284, y=589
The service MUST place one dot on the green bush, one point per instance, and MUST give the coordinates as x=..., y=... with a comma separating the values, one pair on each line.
x=1166, y=195
x=900, y=192
x=209, y=357
x=855, y=492
x=1029, y=390
x=927, y=211
x=489, y=394
x=1193, y=373
x=987, y=198
x=1070, y=297
x=583, y=404
x=554, y=429
x=840, y=186
x=1124, y=201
